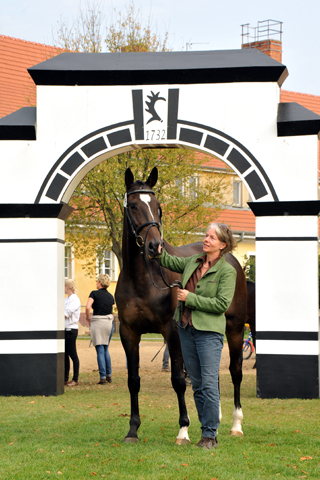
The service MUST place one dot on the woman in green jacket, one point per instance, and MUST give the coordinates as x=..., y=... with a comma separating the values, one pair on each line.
x=208, y=288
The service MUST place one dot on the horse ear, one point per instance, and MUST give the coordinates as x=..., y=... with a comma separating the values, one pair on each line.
x=129, y=178
x=153, y=177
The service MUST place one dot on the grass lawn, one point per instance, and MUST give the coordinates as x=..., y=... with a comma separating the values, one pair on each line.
x=79, y=435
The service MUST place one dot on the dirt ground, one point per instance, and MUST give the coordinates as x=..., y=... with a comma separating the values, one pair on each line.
x=88, y=359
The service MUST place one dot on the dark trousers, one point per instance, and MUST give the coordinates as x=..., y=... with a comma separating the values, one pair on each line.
x=71, y=351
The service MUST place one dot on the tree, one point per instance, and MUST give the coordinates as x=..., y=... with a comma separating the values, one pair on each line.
x=85, y=33
x=129, y=34
x=98, y=201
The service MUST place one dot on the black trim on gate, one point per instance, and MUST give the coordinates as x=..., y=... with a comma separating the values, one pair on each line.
x=60, y=211
x=190, y=136
x=137, y=103
x=286, y=239
x=257, y=187
x=216, y=145
x=287, y=376
x=238, y=161
x=33, y=335
x=32, y=374
x=155, y=68
x=279, y=209
x=294, y=119
x=32, y=240
x=72, y=163
x=173, y=105
x=244, y=149
x=72, y=147
x=310, y=336
x=124, y=136
x=96, y=146
x=119, y=137
x=56, y=187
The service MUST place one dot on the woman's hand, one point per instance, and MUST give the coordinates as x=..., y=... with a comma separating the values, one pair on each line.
x=182, y=294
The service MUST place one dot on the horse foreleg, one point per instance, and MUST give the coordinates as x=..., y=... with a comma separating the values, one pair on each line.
x=179, y=386
x=130, y=344
x=235, y=347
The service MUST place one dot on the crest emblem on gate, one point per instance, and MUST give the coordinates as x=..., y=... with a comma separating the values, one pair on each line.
x=154, y=98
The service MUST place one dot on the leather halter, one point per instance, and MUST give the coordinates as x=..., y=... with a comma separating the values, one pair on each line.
x=140, y=241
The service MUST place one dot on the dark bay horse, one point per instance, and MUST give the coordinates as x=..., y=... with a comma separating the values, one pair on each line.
x=146, y=305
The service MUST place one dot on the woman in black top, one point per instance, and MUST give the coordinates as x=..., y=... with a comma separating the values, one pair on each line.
x=101, y=326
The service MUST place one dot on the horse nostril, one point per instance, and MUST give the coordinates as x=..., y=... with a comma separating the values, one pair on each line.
x=154, y=248
x=151, y=247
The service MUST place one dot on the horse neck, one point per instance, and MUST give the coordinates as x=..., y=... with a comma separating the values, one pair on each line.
x=134, y=265
x=132, y=259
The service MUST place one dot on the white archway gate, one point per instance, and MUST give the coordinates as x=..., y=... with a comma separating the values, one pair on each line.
x=93, y=106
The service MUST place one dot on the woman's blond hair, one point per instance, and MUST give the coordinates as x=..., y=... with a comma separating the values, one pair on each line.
x=71, y=284
x=105, y=280
x=225, y=235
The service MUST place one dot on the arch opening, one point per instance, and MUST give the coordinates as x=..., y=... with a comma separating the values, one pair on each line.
x=94, y=148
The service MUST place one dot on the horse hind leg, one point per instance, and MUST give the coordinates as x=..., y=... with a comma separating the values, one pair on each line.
x=179, y=386
x=235, y=348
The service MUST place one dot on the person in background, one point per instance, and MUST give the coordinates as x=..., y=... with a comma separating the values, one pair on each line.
x=72, y=308
x=208, y=288
x=165, y=359
x=101, y=326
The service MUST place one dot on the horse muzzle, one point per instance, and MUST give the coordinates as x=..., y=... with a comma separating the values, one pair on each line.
x=155, y=249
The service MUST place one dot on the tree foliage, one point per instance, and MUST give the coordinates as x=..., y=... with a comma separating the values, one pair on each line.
x=129, y=34
x=188, y=205
x=85, y=33
x=90, y=31
x=249, y=268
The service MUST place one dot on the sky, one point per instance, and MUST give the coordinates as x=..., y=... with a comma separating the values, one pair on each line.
x=192, y=25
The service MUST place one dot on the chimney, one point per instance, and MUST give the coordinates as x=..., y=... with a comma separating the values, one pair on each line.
x=266, y=37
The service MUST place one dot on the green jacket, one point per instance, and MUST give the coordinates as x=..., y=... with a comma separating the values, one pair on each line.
x=214, y=291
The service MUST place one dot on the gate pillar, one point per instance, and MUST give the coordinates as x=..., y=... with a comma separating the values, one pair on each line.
x=287, y=299
x=32, y=255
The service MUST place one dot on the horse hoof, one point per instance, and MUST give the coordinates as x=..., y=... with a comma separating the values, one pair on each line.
x=236, y=433
x=131, y=440
x=182, y=441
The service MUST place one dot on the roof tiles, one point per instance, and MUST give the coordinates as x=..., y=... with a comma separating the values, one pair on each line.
x=17, y=89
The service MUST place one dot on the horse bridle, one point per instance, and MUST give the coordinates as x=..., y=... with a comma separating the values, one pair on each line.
x=140, y=241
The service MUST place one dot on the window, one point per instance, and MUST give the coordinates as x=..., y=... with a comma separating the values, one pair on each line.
x=107, y=264
x=189, y=187
x=68, y=261
x=237, y=191
x=193, y=183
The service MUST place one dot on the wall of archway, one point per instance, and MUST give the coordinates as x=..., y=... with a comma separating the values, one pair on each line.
x=93, y=106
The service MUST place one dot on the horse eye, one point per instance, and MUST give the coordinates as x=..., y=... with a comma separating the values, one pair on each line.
x=132, y=206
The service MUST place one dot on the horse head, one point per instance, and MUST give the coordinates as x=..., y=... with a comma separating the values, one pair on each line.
x=143, y=213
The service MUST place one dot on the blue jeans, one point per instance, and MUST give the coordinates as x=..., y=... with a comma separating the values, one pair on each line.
x=201, y=352
x=104, y=360
x=165, y=358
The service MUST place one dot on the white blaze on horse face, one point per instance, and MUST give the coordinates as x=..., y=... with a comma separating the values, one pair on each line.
x=146, y=199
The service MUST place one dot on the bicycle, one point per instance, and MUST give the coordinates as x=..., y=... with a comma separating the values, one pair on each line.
x=247, y=347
